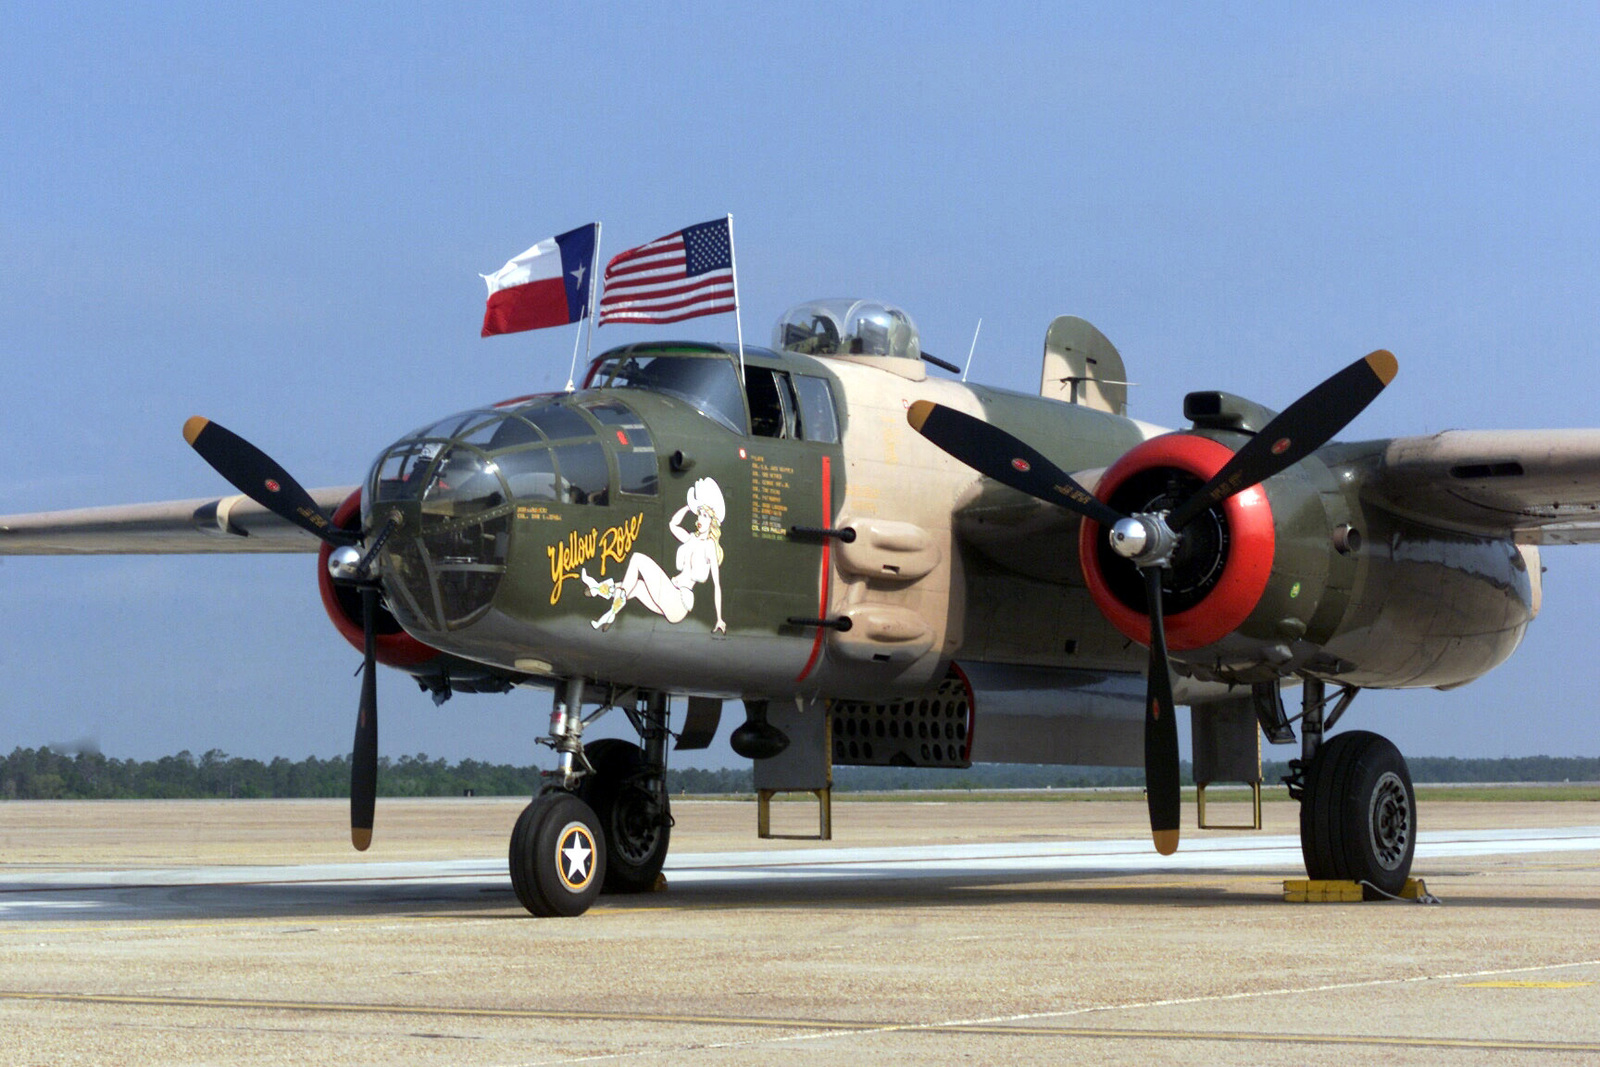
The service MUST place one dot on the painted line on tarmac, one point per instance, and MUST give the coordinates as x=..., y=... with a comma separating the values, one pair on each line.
x=819, y=1028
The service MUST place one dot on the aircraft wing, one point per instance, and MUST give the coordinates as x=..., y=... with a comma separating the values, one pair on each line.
x=211, y=524
x=1541, y=487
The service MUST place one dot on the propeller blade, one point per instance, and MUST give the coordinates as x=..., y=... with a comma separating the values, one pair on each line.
x=258, y=476
x=1301, y=429
x=994, y=453
x=364, y=754
x=1162, y=789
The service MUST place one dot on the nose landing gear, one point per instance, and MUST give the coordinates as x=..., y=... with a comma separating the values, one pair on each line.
x=602, y=822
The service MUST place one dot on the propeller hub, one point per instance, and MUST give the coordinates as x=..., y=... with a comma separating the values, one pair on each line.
x=1145, y=538
x=1128, y=538
x=344, y=563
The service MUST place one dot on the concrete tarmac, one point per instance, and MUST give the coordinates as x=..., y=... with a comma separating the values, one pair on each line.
x=1030, y=931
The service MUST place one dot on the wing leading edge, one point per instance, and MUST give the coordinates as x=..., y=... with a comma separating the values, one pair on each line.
x=210, y=524
x=1540, y=487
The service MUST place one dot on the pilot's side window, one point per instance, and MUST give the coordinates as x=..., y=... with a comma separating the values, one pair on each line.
x=771, y=402
x=815, y=405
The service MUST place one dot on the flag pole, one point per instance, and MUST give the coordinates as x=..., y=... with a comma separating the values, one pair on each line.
x=733, y=264
x=589, y=313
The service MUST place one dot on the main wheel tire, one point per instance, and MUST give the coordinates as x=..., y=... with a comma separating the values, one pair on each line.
x=1358, y=816
x=636, y=824
x=558, y=856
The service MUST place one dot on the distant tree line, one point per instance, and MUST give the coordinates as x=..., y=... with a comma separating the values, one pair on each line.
x=43, y=774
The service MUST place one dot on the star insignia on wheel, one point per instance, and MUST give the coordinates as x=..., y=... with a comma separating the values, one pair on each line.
x=576, y=854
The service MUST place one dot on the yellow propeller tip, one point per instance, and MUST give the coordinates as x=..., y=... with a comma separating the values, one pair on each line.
x=1166, y=841
x=1384, y=365
x=918, y=414
x=194, y=426
x=361, y=838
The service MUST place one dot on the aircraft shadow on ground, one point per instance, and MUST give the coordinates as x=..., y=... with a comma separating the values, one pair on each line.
x=486, y=899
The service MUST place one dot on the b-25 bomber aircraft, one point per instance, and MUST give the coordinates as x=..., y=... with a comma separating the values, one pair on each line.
x=891, y=567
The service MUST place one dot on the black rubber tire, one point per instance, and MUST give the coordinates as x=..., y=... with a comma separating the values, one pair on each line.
x=1358, y=816
x=619, y=791
x=548, y=882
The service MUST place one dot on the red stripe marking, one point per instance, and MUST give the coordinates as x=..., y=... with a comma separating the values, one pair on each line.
x=668, y=286
x=661, y=267
x=634, y=316
x=827, y=543
x=658, y=245
x=653, y=302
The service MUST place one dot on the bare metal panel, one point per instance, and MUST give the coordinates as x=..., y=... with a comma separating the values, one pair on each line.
x=807, y=763
x=1040, y=715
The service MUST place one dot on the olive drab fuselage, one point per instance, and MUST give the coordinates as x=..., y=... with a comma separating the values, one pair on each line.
x=669, y=527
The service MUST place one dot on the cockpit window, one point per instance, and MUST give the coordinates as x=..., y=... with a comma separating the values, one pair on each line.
x=709, y=383
x=817, y=419
x=771, y=405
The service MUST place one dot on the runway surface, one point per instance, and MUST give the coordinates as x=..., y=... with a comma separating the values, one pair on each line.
x=983, y=938
x=216, y=891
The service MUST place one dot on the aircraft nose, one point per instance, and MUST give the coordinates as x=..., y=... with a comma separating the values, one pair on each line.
x=447, y=551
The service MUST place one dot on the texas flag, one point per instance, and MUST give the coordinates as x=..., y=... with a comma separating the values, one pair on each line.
x=548, y=285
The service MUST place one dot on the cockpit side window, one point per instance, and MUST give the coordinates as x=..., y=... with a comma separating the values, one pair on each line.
x=818, y=420
x=770, y=414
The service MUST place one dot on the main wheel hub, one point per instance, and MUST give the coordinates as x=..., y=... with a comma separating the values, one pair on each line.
x=1389, y=815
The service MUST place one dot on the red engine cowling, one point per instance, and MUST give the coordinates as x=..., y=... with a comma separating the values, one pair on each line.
x=396, y=648
x=1223, y=561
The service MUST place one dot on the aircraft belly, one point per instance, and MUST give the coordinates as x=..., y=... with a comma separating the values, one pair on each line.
x=1033, y=715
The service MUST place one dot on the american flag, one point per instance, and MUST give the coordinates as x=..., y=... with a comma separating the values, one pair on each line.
x=676, y=277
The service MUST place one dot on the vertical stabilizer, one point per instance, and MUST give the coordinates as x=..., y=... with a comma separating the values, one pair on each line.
x=1082, y=367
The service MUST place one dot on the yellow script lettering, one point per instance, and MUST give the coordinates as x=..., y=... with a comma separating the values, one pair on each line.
x=568, y=557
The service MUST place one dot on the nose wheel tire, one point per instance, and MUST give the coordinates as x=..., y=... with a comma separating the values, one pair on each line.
x=1358, y=815
x=558, y=856
x=633, y=814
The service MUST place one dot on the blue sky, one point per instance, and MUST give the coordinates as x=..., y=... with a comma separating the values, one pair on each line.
x=277, y=217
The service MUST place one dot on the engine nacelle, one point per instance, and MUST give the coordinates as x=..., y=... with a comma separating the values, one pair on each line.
x=438, y=672
x=1247, y=595
x=1224, y=558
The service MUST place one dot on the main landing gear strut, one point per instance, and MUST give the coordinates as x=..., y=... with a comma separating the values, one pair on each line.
x=1358, y=811
x=601, y=822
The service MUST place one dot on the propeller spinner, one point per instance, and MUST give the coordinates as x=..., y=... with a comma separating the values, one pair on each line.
x=1148, y=540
